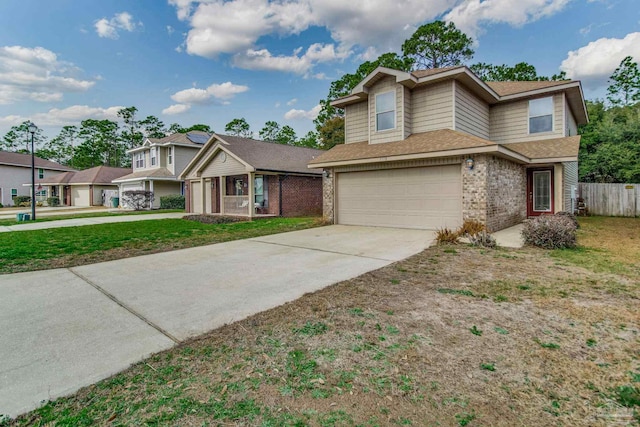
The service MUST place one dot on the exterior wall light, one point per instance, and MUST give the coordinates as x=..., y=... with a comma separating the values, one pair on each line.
x=327, y=173
x=469, y=163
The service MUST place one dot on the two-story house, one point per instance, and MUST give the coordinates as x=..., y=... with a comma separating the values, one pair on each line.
x=15, y=171
x=158, y=163
x=432, y=148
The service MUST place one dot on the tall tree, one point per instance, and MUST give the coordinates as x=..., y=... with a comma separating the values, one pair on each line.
x=201, y=127
x=175, y=128
x=437, y=45
x=331, y=133
x=270, y=131
x=131, y=134
x=153, y=127
x=18, y=139
x=522, y=71
x=60, y=148
x=310, y=140
x=101, y=145
x=239, y=127
x=624, y=83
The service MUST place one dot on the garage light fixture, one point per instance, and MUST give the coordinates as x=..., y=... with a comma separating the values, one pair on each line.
x=469, y=163
x=327, y=173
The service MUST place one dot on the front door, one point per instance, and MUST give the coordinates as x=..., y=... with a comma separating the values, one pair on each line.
x=539, y=191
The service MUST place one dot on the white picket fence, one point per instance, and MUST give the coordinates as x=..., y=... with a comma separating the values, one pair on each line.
x=611, y=199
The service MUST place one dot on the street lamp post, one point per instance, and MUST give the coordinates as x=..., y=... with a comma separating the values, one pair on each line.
x=32, y=130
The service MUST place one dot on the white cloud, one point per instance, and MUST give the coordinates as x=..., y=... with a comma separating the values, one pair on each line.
x=292, y=101
x=221, y=93
x=36, y=74
x=470, y=15
x=595, y=62
x=170, y=29
x=108, y=28
x=72, y=115
x=294, y=114
x=299, y=64
x=176, y=109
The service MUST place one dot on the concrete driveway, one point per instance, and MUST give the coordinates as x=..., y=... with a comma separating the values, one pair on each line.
x=64, y=329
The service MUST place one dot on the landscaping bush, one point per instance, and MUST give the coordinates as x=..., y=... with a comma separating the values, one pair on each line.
x=138, y=199
x=571, y=216
x=446, y=236
x=22, y=200
x=1, y=206
x=471, y=227
x=53, y=201
x=483, y=239
x=550, y=232
x=173, y=201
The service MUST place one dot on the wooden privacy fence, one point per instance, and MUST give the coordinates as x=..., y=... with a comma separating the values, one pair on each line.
x=611, y=199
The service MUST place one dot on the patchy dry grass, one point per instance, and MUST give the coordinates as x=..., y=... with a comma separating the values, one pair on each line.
x=463, y=337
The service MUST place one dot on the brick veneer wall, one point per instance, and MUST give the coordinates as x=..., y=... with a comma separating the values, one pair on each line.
x=301, y=195
x=494, y=192
x=506, y=193
x=327, y=197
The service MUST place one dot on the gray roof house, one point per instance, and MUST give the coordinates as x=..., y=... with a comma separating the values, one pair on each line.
x=247, y=177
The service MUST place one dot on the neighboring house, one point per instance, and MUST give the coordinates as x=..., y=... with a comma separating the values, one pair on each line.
x=89, y=187
x=158, y=163
x=431, y=148
x=15, y=170
x=246, y=177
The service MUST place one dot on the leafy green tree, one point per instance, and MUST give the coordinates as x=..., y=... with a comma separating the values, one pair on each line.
x=624, y=83
x=239, y=127
x=437, y=45
x=310, y=140
x=270, y=131
x=60, y=148
x=331, y=133
x=175, y=128
x=520, y=72
x=201, y=127
x=287, y=135
x=131, y=134
x=18, y=139
x=153, y=127
x=101, y=145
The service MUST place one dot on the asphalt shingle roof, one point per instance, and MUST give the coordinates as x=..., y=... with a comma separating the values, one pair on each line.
x=95, y=175
x=20, y=159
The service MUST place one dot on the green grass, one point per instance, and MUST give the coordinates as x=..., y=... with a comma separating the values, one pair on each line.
x=6, y=222
x=71, y=246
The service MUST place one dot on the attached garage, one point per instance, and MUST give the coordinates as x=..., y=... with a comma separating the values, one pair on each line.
x=421, y=197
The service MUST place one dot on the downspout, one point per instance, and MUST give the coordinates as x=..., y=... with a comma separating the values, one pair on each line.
x=280, y=179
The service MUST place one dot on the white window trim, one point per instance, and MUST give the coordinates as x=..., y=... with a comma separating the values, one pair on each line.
x=553, y=112
x=153, y=157
x=395, y=107
x=169, y=155
x=40, y=173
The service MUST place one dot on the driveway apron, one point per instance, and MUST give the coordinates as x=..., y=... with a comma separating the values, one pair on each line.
x=64, y=329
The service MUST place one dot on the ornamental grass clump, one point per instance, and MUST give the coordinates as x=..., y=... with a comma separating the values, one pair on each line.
x=550, y=232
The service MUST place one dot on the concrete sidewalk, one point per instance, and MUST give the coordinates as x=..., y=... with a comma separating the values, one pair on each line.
x=76, y=222
x=68, y=328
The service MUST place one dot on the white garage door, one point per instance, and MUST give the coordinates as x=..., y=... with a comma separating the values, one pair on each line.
x=196, y=197
x=427, y=197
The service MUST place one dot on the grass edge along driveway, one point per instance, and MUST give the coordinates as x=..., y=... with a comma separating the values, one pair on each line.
x=73, y=246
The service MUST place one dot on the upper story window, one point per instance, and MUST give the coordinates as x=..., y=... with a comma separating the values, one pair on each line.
x=541, y=115
x=153, y=157
x=40, y=173
x=386, y=110
x=139, y=160
x=170, y=155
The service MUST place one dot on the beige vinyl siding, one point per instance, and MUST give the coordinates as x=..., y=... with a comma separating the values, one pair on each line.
x=80, y=195
x=385, y=85
x=510, y=122
x=196, y=197
x=217, y=167
x=407, y=112
x=558, y=187
x=356, y=122
x=570, y=180
x=164, y=188
x=472, y=114
x=181, y=158
x=432, y=108
x=570, y=123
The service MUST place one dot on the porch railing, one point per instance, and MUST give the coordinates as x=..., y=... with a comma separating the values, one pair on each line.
x=236, y=205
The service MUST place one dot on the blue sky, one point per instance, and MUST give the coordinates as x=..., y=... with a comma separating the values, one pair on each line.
x=209, y=61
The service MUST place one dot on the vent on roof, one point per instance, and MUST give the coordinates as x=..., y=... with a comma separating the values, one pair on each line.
x=198, y=138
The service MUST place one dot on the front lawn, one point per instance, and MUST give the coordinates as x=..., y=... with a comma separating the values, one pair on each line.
x=72, y=246
x=41, y=218
x=454, y=336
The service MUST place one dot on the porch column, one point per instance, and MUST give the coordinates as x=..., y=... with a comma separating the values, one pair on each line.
x=151, y=189
x=223, y=192
x=203, y=199
x=252, y=209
